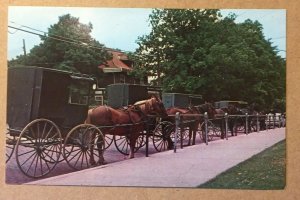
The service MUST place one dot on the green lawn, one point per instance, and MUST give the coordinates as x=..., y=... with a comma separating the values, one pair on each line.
x=265, y=170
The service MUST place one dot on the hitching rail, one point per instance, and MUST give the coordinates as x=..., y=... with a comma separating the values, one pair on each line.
x=268, y=118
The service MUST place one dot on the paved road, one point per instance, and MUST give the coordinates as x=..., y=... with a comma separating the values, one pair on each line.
x=188, y=167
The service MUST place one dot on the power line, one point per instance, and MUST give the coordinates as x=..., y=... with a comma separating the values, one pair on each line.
x=21, y=25
x=57, y=38
x=53, y=35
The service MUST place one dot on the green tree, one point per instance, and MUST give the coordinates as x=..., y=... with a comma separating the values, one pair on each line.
x=67, y=46
x=198, y=51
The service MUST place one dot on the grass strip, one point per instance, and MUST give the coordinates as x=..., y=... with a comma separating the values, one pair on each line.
x=264, y=171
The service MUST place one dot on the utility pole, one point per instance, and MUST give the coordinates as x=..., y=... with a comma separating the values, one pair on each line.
x=24, y=47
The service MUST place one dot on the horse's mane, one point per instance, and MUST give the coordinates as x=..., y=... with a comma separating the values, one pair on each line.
x=140, y=102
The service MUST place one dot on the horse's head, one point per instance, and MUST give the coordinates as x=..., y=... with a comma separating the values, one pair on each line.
x=207, y=107
x=157, y=106
x=232, y=109
x=152, y=106
x=210, y=109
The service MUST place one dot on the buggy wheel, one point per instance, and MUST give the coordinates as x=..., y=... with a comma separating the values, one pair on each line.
x=10, y=147
x=240, y=129
x=141, y=141
x=240, y=125
x=185, y=133
x=217, y=132
x=108, y=140
x=253, y=126
x=38, y=148
x=83, y=144
x=122, y=143
x=163, y=136
x=211, y=131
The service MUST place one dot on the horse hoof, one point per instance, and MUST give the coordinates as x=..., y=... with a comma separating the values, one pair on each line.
x=101, y=162
x=130, y=157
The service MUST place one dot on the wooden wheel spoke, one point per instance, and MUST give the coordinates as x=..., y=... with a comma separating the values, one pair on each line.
x=75, y=154
x=44, y=129
x=30, y=139
x=48, y=133
x=47, y=155
x=78, y=158
x=33, y=133
x=49, y=169
x=38, y=132
x=125, y=145
x=41, y=165
x=83, y=154
x=26, y=152
x=31, y=163
x=86, y=159
x=28, y=158
x=36, y=164
x=95, y=154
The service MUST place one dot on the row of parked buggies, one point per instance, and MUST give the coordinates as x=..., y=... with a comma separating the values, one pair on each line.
x=45, y=125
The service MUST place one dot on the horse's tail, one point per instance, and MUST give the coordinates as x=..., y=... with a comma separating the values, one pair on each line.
x=89, y=117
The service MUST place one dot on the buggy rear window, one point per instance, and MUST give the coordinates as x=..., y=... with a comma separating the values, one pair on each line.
x=79, y=92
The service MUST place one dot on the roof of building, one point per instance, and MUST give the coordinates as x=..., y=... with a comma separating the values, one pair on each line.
x=116, y=64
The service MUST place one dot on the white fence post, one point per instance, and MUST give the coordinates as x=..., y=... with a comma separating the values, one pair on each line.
x=177, y=119
x=205, y=121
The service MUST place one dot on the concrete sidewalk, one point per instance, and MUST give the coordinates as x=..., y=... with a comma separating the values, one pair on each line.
x=188, y=167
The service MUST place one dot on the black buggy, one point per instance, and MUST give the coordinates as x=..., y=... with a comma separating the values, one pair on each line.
x=46, y=110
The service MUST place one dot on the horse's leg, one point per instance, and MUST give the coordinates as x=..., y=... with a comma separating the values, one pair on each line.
x=170, y=143
x=166, y=132
x=236, y=123
x=194, y=132
x=231, y=124
x=92, y=159
x=132, y=140
x=100, y=143
x=190, y=135
x=222, y=129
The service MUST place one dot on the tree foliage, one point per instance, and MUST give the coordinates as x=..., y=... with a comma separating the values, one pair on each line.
x=200, y=52
x=67, y=46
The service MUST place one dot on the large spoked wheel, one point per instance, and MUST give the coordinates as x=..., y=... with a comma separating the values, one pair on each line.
x=84, y=147
x=38, y=148
x=122, y=143
x=10, y=147
x=253, y=125
x=211, y=131
x=164, y=135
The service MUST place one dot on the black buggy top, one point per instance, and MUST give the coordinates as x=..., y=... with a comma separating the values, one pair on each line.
x=35, y=92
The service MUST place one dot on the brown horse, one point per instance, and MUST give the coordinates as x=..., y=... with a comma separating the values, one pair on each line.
x=201, y=109
x=192, y=122
x=219, y=120
x=125, y=122
x=187, y=121
x=231, y=110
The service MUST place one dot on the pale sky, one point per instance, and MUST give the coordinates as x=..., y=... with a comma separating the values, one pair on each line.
x=120, y=27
